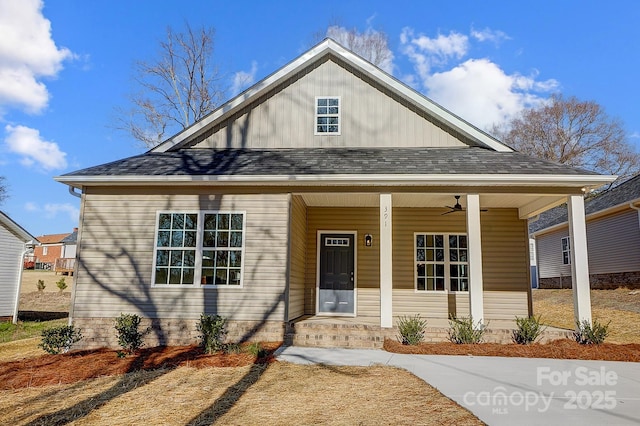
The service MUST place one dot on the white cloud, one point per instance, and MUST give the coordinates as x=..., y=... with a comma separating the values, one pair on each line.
x=33, y=149
x=476, y=89
x=370, y=44
x=244, y=79
x=490, y=35
x=51, y=210
x=481, y=92
x=27, y=53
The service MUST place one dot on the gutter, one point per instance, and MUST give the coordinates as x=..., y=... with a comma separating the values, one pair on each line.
x=636, y=209
x=21, y=268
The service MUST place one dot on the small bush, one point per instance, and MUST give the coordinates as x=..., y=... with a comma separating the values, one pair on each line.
x=59, y=339
x=588, y=334
x=213, y=329
x=529, y=329
x=463, y=331
x=411, y=329
x=130, y=338
x=232, y=348
x=40, y=285
x=62, y=285
x=256, y=350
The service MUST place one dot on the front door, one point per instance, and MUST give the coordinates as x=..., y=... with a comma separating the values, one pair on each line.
x=336, y=274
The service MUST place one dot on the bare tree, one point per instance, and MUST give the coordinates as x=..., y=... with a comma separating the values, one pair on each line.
x=178, y=88
x=573, y=132
x=3, y=189
x=372, y=44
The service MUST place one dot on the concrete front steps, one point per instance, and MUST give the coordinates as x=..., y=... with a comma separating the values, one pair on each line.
x=341, y=333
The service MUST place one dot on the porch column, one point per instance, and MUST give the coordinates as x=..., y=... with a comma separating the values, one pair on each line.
x=474, y=243
x=386, y=266
x=579, y=259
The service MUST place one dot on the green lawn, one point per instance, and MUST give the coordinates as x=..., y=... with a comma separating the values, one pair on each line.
x=10, y=332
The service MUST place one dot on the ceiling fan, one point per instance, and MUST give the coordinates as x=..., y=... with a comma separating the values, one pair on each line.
x=457, y=207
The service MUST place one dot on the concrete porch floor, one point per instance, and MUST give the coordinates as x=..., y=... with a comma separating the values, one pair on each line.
x=365, y=332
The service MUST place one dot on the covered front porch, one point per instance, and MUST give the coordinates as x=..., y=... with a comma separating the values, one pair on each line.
x=388, y=277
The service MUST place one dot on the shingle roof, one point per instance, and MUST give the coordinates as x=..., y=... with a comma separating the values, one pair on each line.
x=72, y=238
x=328, y=161
x=620, y=194
x=52, y=238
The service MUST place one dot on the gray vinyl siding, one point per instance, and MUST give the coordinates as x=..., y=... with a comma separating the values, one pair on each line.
x=370, y=117
x=298, y=257
x=116, y=256
x=613, y=245
x=11, y=248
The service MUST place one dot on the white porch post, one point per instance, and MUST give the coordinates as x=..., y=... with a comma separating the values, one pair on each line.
x=476, y=300
x=386, y=267
x=579, y=259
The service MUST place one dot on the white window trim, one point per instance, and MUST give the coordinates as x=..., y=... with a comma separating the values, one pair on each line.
x=197, y=274
x=563, y=251
x=447, y=263
x=315, y=116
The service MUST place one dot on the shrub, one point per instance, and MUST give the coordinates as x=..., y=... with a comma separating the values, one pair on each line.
x=130, y=338
x=62, y=285
x=529, y=329
x=411, y=329
x=213, y=329
x=256, y=350
x=40, y=285
x=588, y=334
x=463, y=331
x=59, y=339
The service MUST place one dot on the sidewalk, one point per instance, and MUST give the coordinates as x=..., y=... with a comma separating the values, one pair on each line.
x=508, y=391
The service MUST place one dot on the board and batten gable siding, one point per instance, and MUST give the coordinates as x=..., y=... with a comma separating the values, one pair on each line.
x=364, y=220
x=298, y=257
x=117, y=247
x=11, y=248
x=370, y=116
x=505, y=282
x=613, y=244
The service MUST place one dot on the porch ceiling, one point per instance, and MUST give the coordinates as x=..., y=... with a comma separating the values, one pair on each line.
x=528, y=204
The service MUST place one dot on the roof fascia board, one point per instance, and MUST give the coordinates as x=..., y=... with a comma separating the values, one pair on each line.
x=588, y=181
x=317, y=52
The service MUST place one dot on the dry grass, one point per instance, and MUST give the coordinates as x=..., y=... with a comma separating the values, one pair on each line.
x=620, y=306
x=30, y=279
x=20, y=349
x=44, y=301
x=275, y=394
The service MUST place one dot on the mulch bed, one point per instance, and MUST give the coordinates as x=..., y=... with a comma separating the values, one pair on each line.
x=558, y=349
x=82, y=365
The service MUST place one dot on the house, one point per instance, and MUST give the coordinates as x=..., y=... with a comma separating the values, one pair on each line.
x=14, y=243
x=613, y=240
x=53, y=247
x=318, y=193
x=65, y=264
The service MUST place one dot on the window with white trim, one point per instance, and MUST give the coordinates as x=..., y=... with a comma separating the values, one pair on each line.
x=203, y=248
x=566, y=250
x=441, y=262
x=327, y=115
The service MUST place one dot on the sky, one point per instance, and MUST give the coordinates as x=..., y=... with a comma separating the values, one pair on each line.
x=67, y=66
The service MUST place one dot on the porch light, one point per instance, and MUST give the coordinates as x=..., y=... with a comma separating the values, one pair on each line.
x=368, y=240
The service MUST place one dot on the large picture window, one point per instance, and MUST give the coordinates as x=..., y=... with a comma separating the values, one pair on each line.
x=441, y=262
x=203, y=248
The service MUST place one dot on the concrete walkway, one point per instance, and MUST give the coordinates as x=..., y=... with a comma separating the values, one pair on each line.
x=508, y=391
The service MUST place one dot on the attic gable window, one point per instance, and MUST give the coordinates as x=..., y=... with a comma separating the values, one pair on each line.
x=327, y=115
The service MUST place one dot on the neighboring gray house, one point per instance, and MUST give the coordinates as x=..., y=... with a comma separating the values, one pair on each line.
x=613, y=240
x=329, y=190
x=14, y=244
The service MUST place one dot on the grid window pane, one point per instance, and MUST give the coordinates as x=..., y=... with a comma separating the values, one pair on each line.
x=328, y=115
x=441, y=262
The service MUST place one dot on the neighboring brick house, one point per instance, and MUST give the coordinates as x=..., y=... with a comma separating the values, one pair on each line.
x=52, y=247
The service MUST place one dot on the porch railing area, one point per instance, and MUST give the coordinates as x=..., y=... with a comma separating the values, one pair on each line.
x=64, y=265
